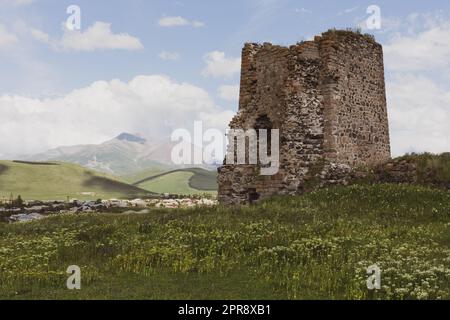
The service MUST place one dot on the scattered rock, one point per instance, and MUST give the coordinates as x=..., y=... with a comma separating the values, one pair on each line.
x=23, y=217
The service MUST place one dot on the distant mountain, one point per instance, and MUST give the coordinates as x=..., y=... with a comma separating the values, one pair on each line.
x=125, y=154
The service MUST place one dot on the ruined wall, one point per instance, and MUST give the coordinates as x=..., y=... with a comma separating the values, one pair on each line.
x=327, y=99
x=263, y=76
x=357, y=124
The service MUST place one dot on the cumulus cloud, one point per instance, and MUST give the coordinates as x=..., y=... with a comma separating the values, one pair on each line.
x=99, y=36
x=151, y=105
x=419, y=104
x=166, y=55
x=178, y=21
x=419, y=112
x=218, y=65
x=421, y=51
x=229, y=93
x=7, y=39
x=218, y=120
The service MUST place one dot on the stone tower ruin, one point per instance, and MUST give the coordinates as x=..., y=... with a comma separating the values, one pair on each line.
x=327, y=98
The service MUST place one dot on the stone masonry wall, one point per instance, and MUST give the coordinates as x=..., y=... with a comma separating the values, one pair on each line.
x=357, y=123
x=327, y=99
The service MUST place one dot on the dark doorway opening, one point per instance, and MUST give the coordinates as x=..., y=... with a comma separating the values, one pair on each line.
x=253, y=196
x=263, y=122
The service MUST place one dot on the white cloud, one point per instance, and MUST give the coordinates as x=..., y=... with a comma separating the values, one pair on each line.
x=422, y=51
x=173, y=22
x=166, y=55
x=16, y=3
x=7, y=39
x=39, y=35
x=197, y=24
x=229, y=93
x=152, y=105
x=178, y=22
x=419, y=112
x=218, y=65
x=303, y=10
x=347, y=11
x=218, y=120
x=390, y=23
x=97, y=37
x=417, y=59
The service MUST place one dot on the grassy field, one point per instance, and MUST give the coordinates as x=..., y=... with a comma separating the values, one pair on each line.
x=57, y=181
x=315, y=246
x=153, y=171
x=203, y=179
x=180, y=181
x=175, y=182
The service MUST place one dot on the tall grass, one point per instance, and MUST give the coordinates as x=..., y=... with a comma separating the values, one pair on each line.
x=431, y=166
x=313, y=246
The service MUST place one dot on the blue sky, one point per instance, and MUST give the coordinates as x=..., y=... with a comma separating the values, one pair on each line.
x=48, y=76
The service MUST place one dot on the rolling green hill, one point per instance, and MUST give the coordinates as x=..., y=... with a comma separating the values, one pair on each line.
x=57, y=181
x=150, y=172
x=180, y=181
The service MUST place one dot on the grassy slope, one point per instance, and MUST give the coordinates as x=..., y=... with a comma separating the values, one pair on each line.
x=153, y=171
x=313, y=246
x=181, y=181
x=176, y=182
x=203, y=179
x=56, y=181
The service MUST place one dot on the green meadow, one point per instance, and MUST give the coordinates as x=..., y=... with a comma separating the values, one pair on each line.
x=59, y=181
x=315, y=246
x=180, y=181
